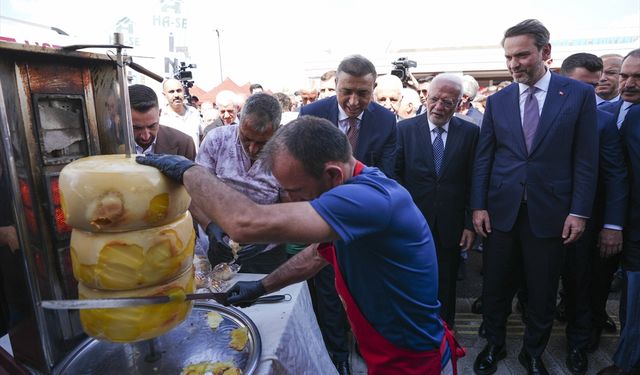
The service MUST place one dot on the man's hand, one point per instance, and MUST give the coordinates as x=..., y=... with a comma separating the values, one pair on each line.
x=244, y=293
x=412, y=81
x=609, y=242
x=172, y=166
x=573, y=228
x=481, y=222
x=468, y=236
x=223, y=252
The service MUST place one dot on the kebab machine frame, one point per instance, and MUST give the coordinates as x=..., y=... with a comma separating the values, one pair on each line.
x=56, y=106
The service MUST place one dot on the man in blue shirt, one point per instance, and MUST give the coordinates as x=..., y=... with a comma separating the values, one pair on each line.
x=374, y=236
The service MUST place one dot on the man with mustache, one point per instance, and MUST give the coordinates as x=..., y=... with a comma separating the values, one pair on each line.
x=627, y=111
x=176, y=114
x=532, y=190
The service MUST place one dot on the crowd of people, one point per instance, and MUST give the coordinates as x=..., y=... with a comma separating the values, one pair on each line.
x=374, y=189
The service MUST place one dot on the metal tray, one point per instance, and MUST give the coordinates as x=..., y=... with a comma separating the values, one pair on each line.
x=191, y=342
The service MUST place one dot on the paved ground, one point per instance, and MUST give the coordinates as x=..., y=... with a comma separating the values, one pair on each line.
x=467, y=325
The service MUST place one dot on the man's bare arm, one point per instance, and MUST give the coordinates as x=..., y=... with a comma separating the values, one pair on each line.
x=301, y=267
x=248, y=222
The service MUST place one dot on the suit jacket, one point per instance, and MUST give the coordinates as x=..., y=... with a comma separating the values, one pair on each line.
x=612, y=194
x=559, y=173
x=630, y=134
x=377, y=137
x=173, y=141
x=444, y=199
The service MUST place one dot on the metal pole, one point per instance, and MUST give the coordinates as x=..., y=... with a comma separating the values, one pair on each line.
x=219, y=54
x=129, y=147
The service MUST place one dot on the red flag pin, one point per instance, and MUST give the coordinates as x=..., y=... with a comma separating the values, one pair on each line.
x=561, y=93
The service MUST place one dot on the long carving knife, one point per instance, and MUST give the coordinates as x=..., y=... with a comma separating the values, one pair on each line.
x=111, y=303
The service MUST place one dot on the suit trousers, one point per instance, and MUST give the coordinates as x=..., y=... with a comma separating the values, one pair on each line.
x=576, y=280
x=602, y=270
x=448, y=262
x=331, y=316
x=506, y=256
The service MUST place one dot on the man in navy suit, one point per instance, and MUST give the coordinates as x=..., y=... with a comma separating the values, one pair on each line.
x=376, y=126
x=595, y=253
x=371, y=130
x=532, y=190
x=627, y=112
x=438, y=176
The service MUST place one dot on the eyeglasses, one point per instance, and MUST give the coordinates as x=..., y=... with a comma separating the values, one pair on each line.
x=447, y=103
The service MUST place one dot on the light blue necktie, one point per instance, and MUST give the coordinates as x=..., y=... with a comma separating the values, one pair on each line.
x=438, y=149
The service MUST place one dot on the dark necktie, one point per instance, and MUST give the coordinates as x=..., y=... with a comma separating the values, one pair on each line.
x=531, y=117
x=352, y=133
x=438, y=149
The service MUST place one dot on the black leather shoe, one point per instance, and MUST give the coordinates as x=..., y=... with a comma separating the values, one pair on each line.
x=594, y=339
x=534, y=365
x=343, y=367
x=486, y=362
x=577, y=361
x=609, y=325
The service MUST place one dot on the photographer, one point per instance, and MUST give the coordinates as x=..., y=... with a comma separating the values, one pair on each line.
x=176, y=114
x=401, y=70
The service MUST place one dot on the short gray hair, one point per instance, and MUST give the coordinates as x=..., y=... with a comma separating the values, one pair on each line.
x=357, y=66
x=265, y=108
x=313, y=141
x=470, y=86
x=448, y=77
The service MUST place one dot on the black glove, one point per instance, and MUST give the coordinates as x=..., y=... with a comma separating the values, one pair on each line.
x=245, y=293
x=219, y=249
x=172, y=166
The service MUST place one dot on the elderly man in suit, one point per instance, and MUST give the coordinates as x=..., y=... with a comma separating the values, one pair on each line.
x=150, y=136
x=627, y=112
x=532, y=190
x=371, y=130
x=434, y=161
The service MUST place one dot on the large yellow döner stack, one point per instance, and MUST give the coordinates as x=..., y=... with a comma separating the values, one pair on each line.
x=132, y=237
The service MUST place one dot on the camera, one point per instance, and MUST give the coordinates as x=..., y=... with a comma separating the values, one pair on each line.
x=401, y=68
x=185, y=76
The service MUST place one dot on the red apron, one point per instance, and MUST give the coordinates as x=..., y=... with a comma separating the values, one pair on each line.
x=381, y=356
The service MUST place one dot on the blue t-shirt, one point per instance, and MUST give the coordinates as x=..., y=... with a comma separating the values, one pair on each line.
x=387, y=257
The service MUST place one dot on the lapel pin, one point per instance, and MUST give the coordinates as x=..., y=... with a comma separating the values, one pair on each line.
x=561, y=93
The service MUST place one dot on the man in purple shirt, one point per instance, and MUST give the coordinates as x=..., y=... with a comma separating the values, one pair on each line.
x=231, y=154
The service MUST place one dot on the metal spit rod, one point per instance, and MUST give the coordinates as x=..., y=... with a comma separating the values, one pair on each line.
x=129, y=147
